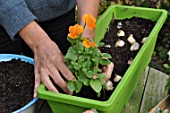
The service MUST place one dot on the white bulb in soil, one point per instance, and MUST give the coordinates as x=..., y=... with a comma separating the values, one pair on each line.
x=131, y=39
x=107, y=46
x=117, y=78
x=120, y=33
x=109, y=85
x=143, y=40
x=134, y=46
x=119, y=25
x=119, y=43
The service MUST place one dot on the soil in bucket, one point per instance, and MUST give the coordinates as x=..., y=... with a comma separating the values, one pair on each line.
x=16, y=84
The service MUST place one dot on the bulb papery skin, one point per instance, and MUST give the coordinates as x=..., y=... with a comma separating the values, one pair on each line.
x=119, y=25
x=117, y=78
x=143, y=40
x=107, y=46
x=120, y=33
x=109, y=85
x=119, y=43
x=134, y=46
x=131, y=39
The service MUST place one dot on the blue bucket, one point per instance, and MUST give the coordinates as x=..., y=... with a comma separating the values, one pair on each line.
x=30, y=107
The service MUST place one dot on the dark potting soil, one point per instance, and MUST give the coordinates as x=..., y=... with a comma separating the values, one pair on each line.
x=16, y=84
x=140, y=28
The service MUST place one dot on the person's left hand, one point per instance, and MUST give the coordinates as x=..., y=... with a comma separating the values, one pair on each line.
x=108, y=71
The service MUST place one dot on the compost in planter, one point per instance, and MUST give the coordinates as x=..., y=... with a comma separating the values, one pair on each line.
x=16, y=84
x=121, y=56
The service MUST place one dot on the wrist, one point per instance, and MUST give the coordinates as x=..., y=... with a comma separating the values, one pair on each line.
x=88, y=34
x=33, y=34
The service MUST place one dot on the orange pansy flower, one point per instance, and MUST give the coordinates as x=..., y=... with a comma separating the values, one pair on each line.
x=93, y=44
x=86, y=43
x=75, y=31
x=89, y=20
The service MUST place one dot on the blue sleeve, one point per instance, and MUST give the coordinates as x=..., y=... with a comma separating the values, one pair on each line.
x=14, y=15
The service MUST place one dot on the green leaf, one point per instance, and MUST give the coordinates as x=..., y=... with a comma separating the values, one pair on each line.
x=81, y=77
x=96, y=61
x=104, y=62
x=106, y=55
x=96, y=85
x=81, y=47
x=71, y=54
x=86, y=64
x=71, y=68
x=86, y=82
x=72, y=41
x=74, y=86
x=89, y=74
x=101, y=76
x=97, y=70
x=84, y=70
x=78, y=86
x=71, y=85
x=100, y=44
x=98, y=94
x=166, y=66
x=76, y=65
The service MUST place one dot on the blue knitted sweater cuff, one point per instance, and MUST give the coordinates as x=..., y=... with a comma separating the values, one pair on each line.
x=15, y=19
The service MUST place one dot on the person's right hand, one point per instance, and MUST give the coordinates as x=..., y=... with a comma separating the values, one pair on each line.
x=48, y=59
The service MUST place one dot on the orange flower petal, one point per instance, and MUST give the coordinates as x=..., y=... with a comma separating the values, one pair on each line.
x=79, y=29
x=86, y=43
x=85, y=17
x=72, y=35
x=91, y=26
x=93, y=44
x=90, y=20
x=75, y=31
x=71, y=29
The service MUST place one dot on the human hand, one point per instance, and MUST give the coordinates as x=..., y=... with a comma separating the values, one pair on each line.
x=90, y=111
x=108, y=71
x=49, y=61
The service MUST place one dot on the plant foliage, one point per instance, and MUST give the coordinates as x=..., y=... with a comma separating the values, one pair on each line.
x=84, y=59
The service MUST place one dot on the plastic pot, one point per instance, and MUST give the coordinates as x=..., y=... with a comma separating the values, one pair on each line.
x=63, y=103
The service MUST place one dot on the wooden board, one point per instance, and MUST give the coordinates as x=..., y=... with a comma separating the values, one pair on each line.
x=164, y=104
x=134, y=103
x=154, y=91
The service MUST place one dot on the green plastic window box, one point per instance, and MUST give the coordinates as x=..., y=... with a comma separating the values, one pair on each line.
x=63, y=103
